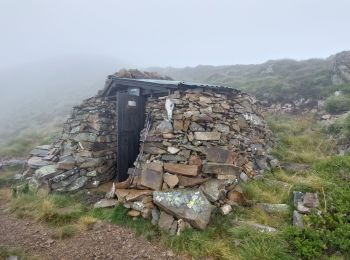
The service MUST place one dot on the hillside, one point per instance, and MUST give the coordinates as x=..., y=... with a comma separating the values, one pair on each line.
x=274, y=80
x=34, y=96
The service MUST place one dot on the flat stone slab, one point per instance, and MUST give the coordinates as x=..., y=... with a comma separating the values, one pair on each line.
x=106, y=203
x=37, y=162
x=219, y=155
x=221, y=168
x=46, y=172
x=274, y=208
x=183, y=169
x=131, y=194
x=207, y=136
x=152, y=179
x=188, y=204
x=185, y=181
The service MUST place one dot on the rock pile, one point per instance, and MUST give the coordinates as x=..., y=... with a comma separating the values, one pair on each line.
x=85, y=154
x=202, y=143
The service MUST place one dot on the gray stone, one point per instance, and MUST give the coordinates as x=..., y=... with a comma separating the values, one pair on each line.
x=243, y=177
x=297, y=197
x=225, y=209
x=221, y=168
x=155, y=216
x=165, y=127
x=77, y=184
x=222, y=128
x=37, y=162
x=195, y=127
x=173, y=158
x=188, y=204
x=165, y=221
x=46, y=172
x=311, y=200
x=298, y=219
x=106, y=203
x=207, y=136
x=213, y=189
x=274, y=208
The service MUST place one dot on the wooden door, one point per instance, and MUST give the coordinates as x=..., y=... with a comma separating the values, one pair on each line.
x=130, y=121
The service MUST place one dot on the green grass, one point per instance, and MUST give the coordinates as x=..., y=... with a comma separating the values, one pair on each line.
x=300, y=139
x=21, y=145
x=6, y=252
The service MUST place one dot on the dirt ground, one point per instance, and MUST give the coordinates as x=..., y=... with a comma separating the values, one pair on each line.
x=106, y=241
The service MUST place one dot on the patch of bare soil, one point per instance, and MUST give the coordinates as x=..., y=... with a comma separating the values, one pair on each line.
x=106, y=241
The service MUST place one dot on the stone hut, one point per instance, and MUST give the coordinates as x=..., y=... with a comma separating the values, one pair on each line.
x=177, y=150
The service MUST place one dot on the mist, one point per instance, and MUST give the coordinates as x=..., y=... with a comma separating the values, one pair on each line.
x=55, y=53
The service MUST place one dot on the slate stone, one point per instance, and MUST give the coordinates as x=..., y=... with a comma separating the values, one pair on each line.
x=219, y=155
x=106, y=203
x=152, y=179
x=213, y=189
x=165, y=221
x=185, y=181
x=207, y=136
x=165, y=127
x=274, y=208
x=173, y=158
x=310, y=200
x=131, y=194
x=37, y=162
x=221, y=168
x=77, y=184
x=46, y=172
x=188, y=204
x=148, y=148
x=195, y=127
x=171, y=179
x=298, y=219
x=183, y=169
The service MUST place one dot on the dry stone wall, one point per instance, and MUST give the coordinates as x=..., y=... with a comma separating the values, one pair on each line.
x=85, y=154
x=195, y=155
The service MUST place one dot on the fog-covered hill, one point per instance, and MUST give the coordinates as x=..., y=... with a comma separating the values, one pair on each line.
x=273, y=80
x=34, y=94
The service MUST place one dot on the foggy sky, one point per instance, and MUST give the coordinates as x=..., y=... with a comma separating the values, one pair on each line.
x=173, y=33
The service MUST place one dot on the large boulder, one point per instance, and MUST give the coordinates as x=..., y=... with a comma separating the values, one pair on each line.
x=188, y=204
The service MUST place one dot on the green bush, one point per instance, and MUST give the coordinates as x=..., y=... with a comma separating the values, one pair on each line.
x=338, y=104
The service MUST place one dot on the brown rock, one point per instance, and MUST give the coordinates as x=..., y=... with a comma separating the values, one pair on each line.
x=178, y=125
x=190, y=182
x=152, y=179
x=171, y=179
x=134, y=213
x=235, y=197
x=195, y=160
x=183, y=169
x=219, y=155
x=131, y=194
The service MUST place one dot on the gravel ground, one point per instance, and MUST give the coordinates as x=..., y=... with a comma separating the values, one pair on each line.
x=105, y=241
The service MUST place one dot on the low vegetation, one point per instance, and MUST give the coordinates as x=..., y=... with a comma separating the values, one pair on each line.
x=300, y=139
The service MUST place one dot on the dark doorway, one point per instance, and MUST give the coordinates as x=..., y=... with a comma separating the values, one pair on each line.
x=130, y=121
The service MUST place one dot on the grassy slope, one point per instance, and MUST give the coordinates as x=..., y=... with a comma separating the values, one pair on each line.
x=300, y=140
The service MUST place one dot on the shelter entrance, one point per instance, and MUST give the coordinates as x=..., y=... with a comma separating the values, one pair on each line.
x=130, y=122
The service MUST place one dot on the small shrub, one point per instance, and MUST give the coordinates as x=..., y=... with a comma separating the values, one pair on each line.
x=338, y=104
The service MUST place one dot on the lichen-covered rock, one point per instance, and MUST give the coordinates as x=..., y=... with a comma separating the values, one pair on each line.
x=188, y=204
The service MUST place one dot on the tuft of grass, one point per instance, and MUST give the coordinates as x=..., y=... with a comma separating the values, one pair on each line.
x=7, y=252
x=66, y=231
x=86, y=222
